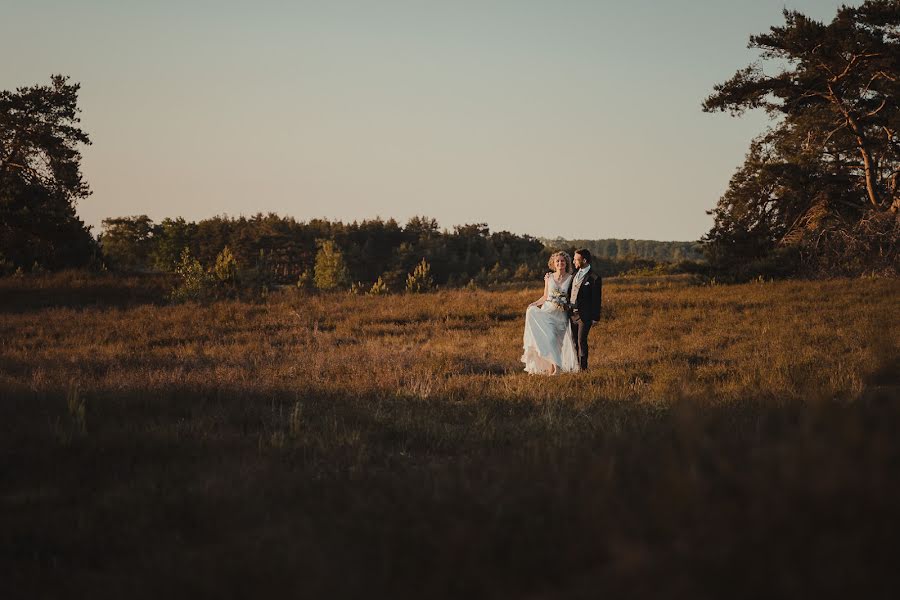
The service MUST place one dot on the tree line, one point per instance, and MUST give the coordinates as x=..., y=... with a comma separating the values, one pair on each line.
x=332, y=254
x=818, y=193
x=624, y=249
x=289, y=250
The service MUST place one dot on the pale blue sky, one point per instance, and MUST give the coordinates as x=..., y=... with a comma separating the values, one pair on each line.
x=571, y=118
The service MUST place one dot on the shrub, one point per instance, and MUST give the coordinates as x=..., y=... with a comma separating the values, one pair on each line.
x=379, y=288
x=523, y=273
x=420, y=280
x=868, y=247
x=331, y=272
x=305, y=280
x=194, y=283
x=225, y=270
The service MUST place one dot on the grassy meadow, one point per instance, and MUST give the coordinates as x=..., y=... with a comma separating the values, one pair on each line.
x=728, y=441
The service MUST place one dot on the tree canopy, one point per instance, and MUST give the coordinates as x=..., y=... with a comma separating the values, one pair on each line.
x=824, y=180
x=40, y=177
x=368, y=250
x=623, y=249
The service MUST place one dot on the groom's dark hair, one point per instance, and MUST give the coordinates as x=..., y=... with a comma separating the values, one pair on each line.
x=585, y=254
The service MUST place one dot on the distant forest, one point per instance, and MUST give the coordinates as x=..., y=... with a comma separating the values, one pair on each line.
x=288, y=250
x=631, y=249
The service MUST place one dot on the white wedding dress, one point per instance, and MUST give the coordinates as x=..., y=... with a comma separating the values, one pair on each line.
x=548, y=337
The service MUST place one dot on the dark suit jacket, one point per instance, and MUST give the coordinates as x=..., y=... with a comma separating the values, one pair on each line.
x=587, y=296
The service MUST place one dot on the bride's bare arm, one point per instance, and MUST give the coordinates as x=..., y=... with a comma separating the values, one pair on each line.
x=543, y=298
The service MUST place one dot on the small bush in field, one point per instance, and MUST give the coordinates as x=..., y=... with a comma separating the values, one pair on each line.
x=523, y=273
x=305, y=280
x=225, y=269
x=420, y=280
x=194, y=283
x=331, y=272
x=379, y=288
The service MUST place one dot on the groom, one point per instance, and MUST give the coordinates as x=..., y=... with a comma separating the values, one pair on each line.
x=585, y=297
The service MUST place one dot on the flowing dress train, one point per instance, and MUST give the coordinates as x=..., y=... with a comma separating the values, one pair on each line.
x=548, y=337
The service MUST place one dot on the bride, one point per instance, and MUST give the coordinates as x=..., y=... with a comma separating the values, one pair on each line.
x=548, y=337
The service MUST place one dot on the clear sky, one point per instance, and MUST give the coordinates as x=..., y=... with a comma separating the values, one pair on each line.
x=568, y=118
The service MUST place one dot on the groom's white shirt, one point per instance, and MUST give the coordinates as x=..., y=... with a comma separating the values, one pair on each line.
x=581, y=274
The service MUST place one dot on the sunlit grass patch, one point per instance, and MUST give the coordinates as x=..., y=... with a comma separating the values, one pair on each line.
x=714, y=425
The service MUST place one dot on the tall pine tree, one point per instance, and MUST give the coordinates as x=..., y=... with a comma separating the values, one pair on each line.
x=825, y=179
x=40, y=177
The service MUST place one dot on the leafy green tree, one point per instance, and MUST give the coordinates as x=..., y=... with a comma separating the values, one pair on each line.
x=40, y=177
x=831, y=160
x=419, y=228
x=170, y=238
x=126, y=242
x=331, y=272
x=194, y=282
x=225, y=269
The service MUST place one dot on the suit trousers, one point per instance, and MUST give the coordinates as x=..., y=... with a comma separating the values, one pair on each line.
x=580, y=329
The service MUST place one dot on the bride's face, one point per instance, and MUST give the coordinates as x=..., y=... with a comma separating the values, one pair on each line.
x=560, y=264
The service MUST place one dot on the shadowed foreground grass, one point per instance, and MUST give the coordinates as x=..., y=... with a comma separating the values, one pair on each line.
x=737, y=441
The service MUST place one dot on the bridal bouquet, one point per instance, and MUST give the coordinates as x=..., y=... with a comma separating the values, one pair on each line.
x=559, y=299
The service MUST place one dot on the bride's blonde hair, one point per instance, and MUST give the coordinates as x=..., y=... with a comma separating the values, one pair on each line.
x=565, y=255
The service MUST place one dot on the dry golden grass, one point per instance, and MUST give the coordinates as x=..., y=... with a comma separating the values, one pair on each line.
x=727, y=439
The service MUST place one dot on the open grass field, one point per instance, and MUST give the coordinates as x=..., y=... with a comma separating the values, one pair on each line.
x=728, y=441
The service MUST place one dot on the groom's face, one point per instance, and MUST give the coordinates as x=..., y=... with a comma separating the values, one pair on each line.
x=579, y=261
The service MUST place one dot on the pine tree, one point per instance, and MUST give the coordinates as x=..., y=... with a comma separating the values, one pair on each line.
x=225, y=269
x=828, y=169
x=378, y=288
x=420, y=280
x=331, y=272
x=40, y=177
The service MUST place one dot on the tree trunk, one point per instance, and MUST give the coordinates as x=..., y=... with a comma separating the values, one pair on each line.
x=868, y=162
x=895, y=192
x=863, y=146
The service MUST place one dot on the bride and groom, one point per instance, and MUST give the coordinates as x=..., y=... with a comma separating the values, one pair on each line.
x=557, y=323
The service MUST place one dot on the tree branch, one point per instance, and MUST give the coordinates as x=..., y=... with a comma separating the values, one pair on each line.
x=887, y=76
x=877, y=110
x=853, y=61
x=862, y=145
x=871, y=81
x=890, y=133
x=832, y=132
